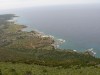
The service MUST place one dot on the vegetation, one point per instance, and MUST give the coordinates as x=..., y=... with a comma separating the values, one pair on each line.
x=47, y=57
x=26, y=69
x=27, y=53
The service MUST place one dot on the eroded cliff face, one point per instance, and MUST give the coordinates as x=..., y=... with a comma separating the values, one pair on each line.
x=12, y=36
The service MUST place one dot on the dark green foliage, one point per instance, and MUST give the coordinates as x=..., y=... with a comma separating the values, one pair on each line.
x=47, y=57
x=44, y=70
x=28, y=73
x=0, y=72
x=13, y=72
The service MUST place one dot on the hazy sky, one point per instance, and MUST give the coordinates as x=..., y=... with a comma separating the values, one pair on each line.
x=9, y=4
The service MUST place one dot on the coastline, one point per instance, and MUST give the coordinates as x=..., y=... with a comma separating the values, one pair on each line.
x=57, y=42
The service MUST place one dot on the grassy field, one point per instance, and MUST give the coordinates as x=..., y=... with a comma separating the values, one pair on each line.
x=25, y=69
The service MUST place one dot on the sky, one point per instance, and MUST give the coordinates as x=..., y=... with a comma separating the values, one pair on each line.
x=11, y=4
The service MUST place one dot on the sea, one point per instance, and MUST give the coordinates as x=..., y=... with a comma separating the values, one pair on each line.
x=79, y=25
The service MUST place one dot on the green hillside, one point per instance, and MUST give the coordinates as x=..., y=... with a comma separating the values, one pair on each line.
x=25, y=69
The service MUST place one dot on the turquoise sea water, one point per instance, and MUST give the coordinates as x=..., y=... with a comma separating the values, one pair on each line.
x=78, y=25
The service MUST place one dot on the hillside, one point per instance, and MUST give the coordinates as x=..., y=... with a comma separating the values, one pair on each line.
x=25, y=69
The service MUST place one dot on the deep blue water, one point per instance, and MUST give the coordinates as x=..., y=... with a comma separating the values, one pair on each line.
x=78, y=25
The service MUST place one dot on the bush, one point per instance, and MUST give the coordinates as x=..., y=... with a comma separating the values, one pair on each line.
x=13, y=72
x=0, y=72
x=45, y=71
x=28, y=73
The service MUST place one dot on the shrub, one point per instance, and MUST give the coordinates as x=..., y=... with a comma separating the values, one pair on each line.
x=0, y=72
x=28, y=73
x=44, y=70
x=13, y=72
